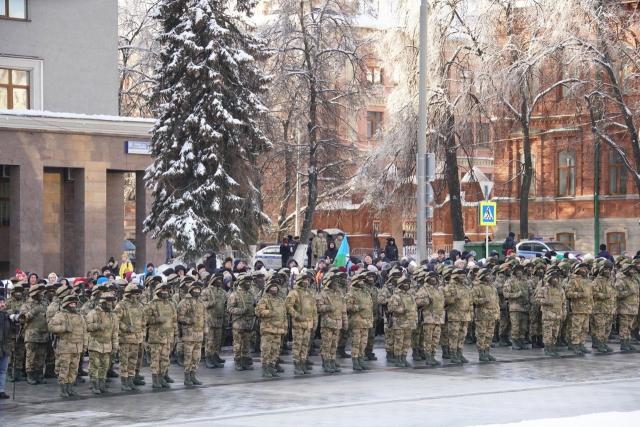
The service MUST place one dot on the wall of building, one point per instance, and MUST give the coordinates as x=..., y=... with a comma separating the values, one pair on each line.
x=77, y=41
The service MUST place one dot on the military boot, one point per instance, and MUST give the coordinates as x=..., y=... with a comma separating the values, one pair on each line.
x=362, y=364
x=217, y=358
x=399, y=361
x=343, y=354
x=335, y=366
x=297, y=368
x=453, y=358
x=461, y=357
x=631, y=347
x=95, y=387
x=308, y=365
x=371, y=356
x=515, y=344
x=415, y=355
x=124, y=384
x=163, y=381
x=210, y=363
x=194, y=379
x=71, y=390
x=40, y=378
x=356, y=365
x=138, y=379
x=239, y=364
x=534, y=342
x=325, y=367
x=584, y=349
x=482, y=356
x=187, y=379
x=248, y=361
x=167, y=378
x=111, y=373
x=595, y=344
x=606, y=346
x=31, y=378
x=155, y=379
x=273, y=370
x=132, y=386
x=266, y=373
x=63, y=391
x=306, y=368
x=490, y=356
x=445, y=352
x=428, y=360
x=432, y=359
x=103, y=385
x=309, y=362
x=180, y=359
x=278, y=368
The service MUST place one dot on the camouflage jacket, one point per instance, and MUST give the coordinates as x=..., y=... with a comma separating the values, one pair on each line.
x=405, y=310
x=580, y=292
x=272, y=314
x=301, y=306
x=131, y=321
x=240, y=306
x=191, y=319
x=162, y=319
x=458, y=302
x=214, y=299
x=431, y=300
x=627, y=295
x=604, y=296
x=103, y=331
x=332, y=308
x=33, y=316
x=359, y=306
x=485, y=299
x=71, y=330
x=551, y=299
x=517, y=292
x=53, y=308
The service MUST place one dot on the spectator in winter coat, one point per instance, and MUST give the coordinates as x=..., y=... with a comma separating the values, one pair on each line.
x=319, y=246
x=331, y=252
x=391, y=250
x=125, y=265
x=509, y=243
x=210, y=264
x=285, y=251
x=604, y=253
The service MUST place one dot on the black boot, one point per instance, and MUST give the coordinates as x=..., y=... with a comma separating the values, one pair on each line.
x=124, y=384
x=342, y=353
x=362, y=364
x=217, y=358
x=371, y=356
x=187, y=379
x=71, y=391
x=63, y=391
x=111, y=373
x=138, y=379
x=31, y=378
x=95, y=387
x=445, y=352
x=103, y=385
x=167, y=378
x=356, y=365
x=210, y=363
x=266, y=372
x=155, y=379
x=297, y=368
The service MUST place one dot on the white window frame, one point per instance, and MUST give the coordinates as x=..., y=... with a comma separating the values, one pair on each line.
x=35, y=69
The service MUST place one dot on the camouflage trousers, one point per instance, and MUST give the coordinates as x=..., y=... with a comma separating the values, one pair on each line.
x=484, y=333
x=18, y=354
x=417, y=338
x=128, y=359
x=270, y=348
x=626, y=325
x=388, y=338
x=67, y=367
x=504, y=325
x=371, y=337
x=401, y=341
x=565, y=328
x=301, y=337
x=579, y=328
x=550, y=331
x=535, y=321
x=241, y=343
x=329, y=344
x=141, y=349
x=159, y=358
x=343, y=338
x=431, y=333
x=35, y=356
x=519, y=324
x=601, y=326
x=99, y=365
x=359, y=338
x=192, y=353
x=50, y=358
x=213, y=341
x=457, y=332
x=444, y=334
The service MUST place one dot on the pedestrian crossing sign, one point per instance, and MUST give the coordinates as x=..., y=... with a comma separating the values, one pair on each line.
x=488, y=213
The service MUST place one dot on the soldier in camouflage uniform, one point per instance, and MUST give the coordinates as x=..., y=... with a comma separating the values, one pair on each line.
x=71, y=342
x=444, y=278
x=131, y=328
x=102, y=325
x=301, y=306
x=564, y=338
x=383, y=300
x=604, y=306
x=191, y=321
x=161, y=318
x=273, y=324
x=487, y=313
x=13, y=304
x=214, y=299
x=283, y=291
x=241, y=308
x=50, y=358
x=417, y=336
x=552, y=303
x=503, y=272
x=459, y=312
x=516, y=291
x=430, y=299
x=535, y=281
x=370, y=285
x=580, y=292
x=343, y=287
x=33, y=316
x=627, y=288
x=185, y=282
x=359, y=307
x=257, y=290
x=402, y=305
x=333, y=318
x=56, y=305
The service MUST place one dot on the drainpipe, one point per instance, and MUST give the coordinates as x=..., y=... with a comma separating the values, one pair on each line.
x=596, y=198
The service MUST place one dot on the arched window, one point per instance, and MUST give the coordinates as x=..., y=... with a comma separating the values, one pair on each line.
x=617, y=174
x=566, y=173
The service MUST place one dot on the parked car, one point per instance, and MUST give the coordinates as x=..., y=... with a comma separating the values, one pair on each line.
x=270, y=257
x=537, y=248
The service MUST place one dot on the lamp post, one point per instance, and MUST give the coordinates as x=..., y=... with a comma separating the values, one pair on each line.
x=421, y=182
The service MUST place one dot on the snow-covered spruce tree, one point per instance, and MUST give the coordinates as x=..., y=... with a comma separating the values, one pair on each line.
x=206, y=136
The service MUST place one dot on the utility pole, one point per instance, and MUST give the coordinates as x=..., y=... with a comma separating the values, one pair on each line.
x=596, y=197
x=297, y=213
x=421, y=182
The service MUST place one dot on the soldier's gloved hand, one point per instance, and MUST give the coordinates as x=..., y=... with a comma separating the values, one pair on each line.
x=14, y=317
x=298, y=318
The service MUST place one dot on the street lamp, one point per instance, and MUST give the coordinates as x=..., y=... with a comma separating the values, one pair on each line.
x=421, y=161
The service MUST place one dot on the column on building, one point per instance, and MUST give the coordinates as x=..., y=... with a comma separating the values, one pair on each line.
x=146, y=248
x=92, y=218
x=115, y=217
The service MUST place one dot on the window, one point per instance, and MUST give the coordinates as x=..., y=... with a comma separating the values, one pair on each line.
x=482, y=133
x=567, y=239
x=617, y=174
x=566, y=174
x=374, y=124
x=15, y=9
x=14, y=89
x=538, y=248
x=4, y=201
x=375, y=75
x=616, y=243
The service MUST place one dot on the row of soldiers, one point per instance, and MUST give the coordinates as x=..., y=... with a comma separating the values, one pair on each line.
x=421, y=309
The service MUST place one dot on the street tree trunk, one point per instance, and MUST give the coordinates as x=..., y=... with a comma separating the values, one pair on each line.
x=453, y=180
x=527, y=172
